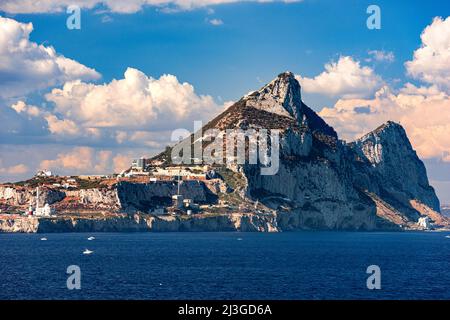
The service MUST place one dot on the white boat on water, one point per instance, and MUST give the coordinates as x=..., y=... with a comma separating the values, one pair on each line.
x=87, y=251
x=447, y=236
x=91, y=238
x=43, y=239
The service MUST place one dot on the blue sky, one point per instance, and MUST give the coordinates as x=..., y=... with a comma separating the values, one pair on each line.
x=51, y=123
x=256, y=41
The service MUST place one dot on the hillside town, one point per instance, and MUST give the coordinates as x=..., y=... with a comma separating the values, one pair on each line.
x=175, y=190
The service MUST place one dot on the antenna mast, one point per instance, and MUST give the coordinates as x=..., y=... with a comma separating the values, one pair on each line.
x=37, y=199
x=179, y=172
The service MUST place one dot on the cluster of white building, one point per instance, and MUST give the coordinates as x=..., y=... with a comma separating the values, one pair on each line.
x=44, y=173
x=68, y=183
x=45, y=211
x=424, y=222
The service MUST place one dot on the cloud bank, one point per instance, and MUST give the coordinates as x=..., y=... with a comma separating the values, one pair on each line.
x=117, y=6
x=343, y=78
x=431, y=62
x=26, y=66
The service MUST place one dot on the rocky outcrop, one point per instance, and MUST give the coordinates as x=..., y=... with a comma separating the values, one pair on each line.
x=282, y=96
x=391, y=169
x=102, y=198
x=19, y=224
x=22, y=196
x=217, y=186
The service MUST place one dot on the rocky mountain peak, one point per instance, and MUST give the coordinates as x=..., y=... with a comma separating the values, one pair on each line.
x=389, y=128
x=390, y=153
x=282, y=96
x=389, y=135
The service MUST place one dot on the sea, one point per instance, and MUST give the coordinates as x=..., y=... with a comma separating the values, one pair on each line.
x=228, y=265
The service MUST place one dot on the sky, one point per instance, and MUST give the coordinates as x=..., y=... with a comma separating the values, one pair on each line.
x=89, y=100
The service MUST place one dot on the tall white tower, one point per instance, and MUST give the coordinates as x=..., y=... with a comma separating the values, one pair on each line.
x=37, y=199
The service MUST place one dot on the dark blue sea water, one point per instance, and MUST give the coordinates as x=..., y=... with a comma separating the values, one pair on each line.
x=294, y=265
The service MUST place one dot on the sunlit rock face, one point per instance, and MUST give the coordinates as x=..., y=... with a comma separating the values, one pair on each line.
x=23, y=196
x=282, y=96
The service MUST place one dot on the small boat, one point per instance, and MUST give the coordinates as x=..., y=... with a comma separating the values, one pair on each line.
x=91, y=238
x=87, y=251
x=447, y=236
x=43, y=239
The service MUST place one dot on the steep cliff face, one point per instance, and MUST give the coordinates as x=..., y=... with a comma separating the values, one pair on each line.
x=132, y=196
x=102, y=198
x=245, y=222
x=21, y=196
x=395, y=171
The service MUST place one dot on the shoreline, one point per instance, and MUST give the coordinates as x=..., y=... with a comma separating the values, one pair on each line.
x=141, y=223
x=123, y=223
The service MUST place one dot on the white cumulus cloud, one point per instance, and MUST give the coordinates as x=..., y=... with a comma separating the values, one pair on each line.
x=136, y=102
x=423, y=111
x=431, y=62
x=136, y=111
x=80, y=159
x=26, y=66
x=14, y=169
x=344, y=78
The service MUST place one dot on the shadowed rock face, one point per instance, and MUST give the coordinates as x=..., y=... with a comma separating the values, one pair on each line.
x=144, y=197
x=395, y=171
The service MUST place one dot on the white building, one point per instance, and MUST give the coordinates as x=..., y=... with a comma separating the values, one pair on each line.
x=44, y=173
x=177, y=201
x=45, y=211
x=139, y=164
x=424, y=222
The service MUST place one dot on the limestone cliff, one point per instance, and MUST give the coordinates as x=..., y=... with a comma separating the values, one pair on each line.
x=24, y=196
x=390, y=168
x=247, y=222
